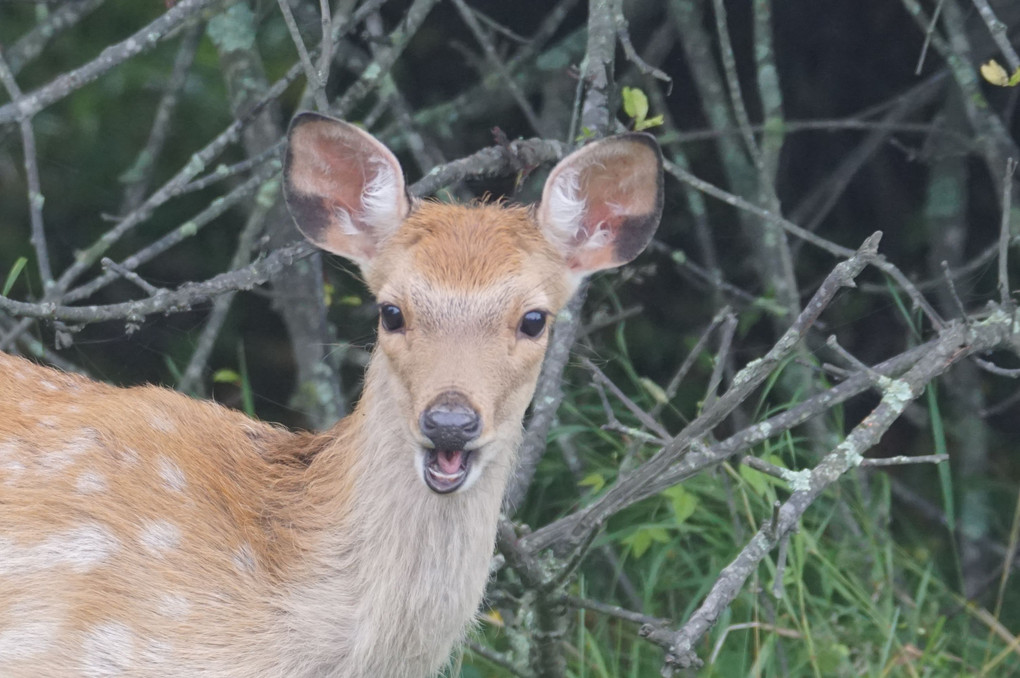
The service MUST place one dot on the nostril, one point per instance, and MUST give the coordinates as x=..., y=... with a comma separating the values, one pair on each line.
x=450, y=424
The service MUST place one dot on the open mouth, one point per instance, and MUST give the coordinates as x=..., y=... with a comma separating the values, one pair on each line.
x=446, y=470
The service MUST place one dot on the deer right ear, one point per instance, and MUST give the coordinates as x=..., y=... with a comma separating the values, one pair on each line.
x=602, y=203
x=344, y=189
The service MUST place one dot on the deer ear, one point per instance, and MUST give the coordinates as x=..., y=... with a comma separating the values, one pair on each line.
x=344, y=189
x=601, y=204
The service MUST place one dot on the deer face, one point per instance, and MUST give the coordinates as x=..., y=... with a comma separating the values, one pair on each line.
x=466, y=293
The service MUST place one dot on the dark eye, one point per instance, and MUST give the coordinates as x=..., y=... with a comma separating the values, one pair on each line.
x=532, y=324
x=391, y=317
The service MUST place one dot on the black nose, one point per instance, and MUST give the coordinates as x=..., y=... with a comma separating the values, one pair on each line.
x=450, y=422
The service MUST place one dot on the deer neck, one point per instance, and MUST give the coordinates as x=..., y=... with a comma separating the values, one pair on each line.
x=401, y=569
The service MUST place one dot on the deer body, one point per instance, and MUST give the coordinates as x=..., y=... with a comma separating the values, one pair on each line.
x=143, y=533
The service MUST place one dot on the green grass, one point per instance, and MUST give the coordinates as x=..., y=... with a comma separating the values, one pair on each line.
x=866, y=589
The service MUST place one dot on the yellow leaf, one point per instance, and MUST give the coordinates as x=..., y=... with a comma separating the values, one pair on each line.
x=226, y=376
x=493, y=617
x=994, y=73
x=596, y=481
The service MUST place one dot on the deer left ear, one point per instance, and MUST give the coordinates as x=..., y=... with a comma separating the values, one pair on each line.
x=602, y=203
x=344, y=189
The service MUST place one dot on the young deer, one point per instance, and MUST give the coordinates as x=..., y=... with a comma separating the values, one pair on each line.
x=143, y=533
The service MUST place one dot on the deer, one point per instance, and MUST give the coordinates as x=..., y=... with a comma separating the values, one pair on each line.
x=145, y=533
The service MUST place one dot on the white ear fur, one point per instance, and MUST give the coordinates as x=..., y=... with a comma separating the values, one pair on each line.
x=344, y=189
x=601, y=204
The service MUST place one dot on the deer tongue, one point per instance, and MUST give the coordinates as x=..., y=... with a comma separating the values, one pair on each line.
x=449, y=461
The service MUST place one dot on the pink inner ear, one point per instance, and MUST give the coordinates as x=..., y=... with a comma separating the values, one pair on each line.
x=330, y=167
x=602, y=203
x=344, y=188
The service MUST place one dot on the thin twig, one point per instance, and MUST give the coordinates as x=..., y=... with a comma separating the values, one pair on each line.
x=793, y=229
x=722, y=356
x=1004, y=230
x=646, y=420
x=114, y=55
x=35, y=196
x=685, y=367
x=612, y=610
x=184, y=297
x=129, y=275
x=929, y=35
x=999, y=31
x=146, y=162
x=623, y=35
x=58, y=19
x=497, y=64
x=996, y=370
x=315, y=83
x=326, y=45
x=729, y=63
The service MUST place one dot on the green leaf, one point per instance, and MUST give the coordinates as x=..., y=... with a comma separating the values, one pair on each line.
x=635, y=104
x=649, y=123
x=596, y=481
x=638, y=543
x=16, y=269
x=247, y=396
x=684, y=503
x=643, y=538
x=226, y=376
x=659, y=534
x=831, y=657
x=754, y=478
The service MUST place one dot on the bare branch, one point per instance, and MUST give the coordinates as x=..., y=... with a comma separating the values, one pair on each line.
x=27, y=106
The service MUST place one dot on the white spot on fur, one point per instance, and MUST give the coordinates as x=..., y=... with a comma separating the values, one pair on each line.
x=49, y=422
x=156, y=652
x=129, y=455
x=108, y=650
x=58, y=459
x=244, y=559
x=174, y=605
x=162, y=423
x=11, y=465
x=12, y=469
x=82, y=548
x=90, y=482
x=160, y=536
x=172, y=475
x=29, y=636
x=49, y=385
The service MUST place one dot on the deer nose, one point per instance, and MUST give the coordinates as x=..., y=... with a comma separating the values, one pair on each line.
x=450, y=422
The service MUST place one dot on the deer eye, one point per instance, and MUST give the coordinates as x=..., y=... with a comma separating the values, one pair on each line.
x=391, y=317
x=532, y=324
